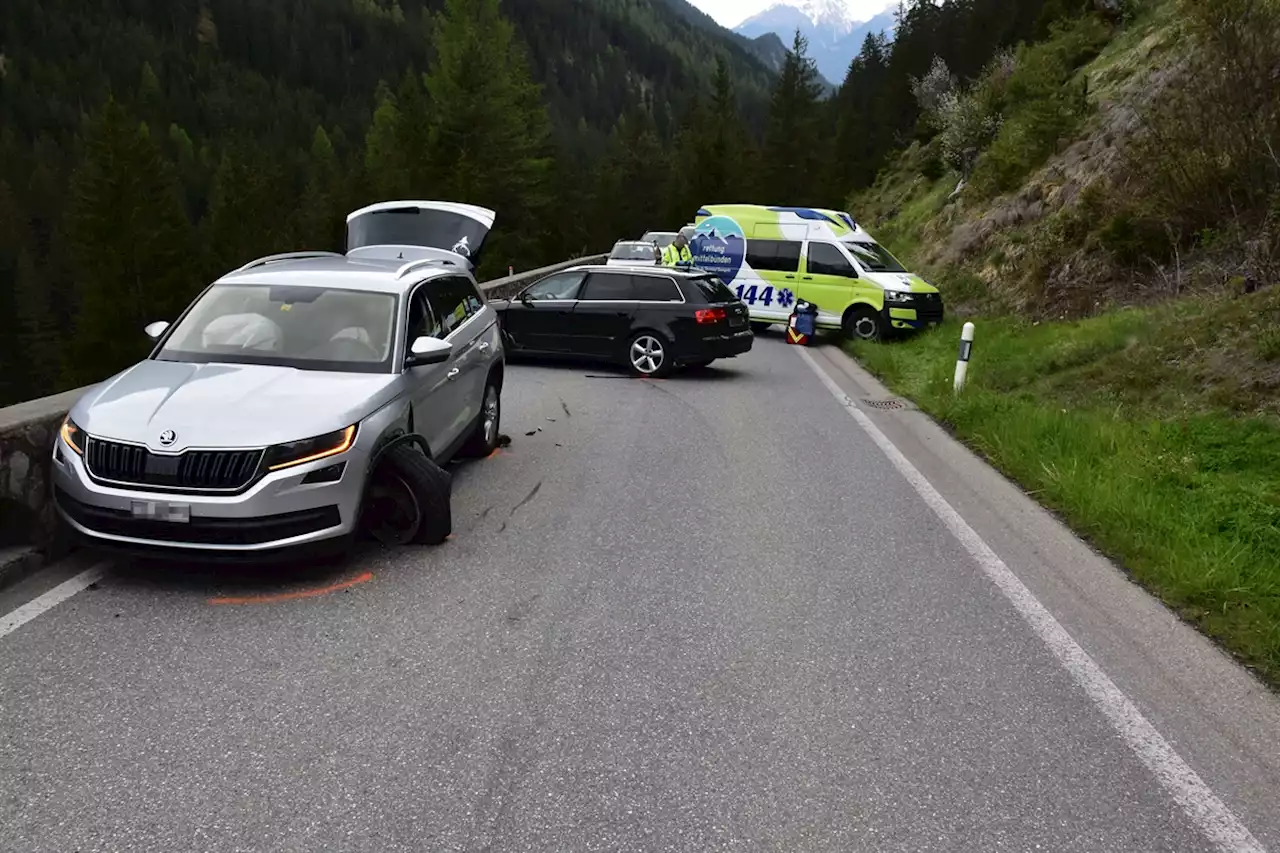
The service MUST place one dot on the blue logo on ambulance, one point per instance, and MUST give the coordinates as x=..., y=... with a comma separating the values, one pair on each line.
x=719, y=245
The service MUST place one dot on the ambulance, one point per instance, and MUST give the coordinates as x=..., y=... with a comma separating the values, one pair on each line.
x=772, y=256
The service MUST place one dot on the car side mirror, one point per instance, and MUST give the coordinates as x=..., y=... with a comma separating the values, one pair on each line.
x=156, y=329
x=525, y=297
x=428, y=350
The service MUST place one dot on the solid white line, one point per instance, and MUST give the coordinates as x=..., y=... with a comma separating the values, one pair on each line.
x=15, y=619
x=1223, y=829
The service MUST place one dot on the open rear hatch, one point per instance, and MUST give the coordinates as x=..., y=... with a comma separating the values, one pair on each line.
x=409, y=230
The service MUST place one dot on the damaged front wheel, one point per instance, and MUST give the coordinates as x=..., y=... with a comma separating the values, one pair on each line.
x=409, y=499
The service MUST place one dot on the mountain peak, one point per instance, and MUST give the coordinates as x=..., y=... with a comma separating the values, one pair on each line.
x=832, y=15
x=834, y=30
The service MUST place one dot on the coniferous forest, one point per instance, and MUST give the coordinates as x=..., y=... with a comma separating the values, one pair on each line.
x=147, y=146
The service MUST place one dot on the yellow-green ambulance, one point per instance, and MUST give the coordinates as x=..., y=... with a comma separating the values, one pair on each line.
x=772, y=256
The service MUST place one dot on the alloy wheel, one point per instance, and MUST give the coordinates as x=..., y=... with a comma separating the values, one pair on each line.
x=647, y=354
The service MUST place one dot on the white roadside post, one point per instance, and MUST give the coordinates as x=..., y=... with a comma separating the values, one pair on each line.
x=962, y=361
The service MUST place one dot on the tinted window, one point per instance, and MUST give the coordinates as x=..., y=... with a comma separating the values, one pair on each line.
x=559, y=286
x=475, y=299
x=602, y=286
x=448, y=298
x=875, y=257
x=776, y=255
x=421, y=319
x=316, y=328
x=655, y=288
x=712, y=288
x=412, y=226
x=826, y=259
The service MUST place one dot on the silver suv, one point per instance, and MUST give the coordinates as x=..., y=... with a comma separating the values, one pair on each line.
x=298, y=399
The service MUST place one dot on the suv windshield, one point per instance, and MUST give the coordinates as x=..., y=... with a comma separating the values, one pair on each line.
x=634, y=252
x=662, y=238
x=714, y=289
x=874, y=257
x=311, y=328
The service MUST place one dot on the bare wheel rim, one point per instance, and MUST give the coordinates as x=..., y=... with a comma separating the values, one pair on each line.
x=865, y=327
x=647, y=354
x=394, y=512
x=490, y=414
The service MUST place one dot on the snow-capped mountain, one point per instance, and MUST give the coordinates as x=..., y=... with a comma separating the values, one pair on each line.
x=835, y=34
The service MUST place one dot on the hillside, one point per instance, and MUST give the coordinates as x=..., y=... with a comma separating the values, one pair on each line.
x=1114, y=236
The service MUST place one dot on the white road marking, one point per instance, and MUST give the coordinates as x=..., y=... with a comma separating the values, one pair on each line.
x=1223, y=829
x=15, y=619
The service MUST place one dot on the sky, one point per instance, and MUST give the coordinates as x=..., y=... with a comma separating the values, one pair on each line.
x=730, y=13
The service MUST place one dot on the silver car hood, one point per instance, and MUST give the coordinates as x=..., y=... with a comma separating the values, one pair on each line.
x=228, y=405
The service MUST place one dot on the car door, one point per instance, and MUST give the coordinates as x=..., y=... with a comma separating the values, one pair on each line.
x=829, y=280
x=769, y=290
x=540, y=318
x=429, y=385
x=448, y=297
x=602, y=316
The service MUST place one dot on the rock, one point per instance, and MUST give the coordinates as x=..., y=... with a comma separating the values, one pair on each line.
x=19, y=466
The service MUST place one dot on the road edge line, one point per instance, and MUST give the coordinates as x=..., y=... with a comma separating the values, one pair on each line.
x=15, y=619
x=1209, y=814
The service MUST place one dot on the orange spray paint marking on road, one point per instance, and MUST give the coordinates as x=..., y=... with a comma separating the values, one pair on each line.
x=497, y=451
x=363, y=577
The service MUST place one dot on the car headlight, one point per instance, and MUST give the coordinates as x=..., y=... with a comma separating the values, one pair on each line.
x=309, y=449
x=899, y=296
x=72, y=435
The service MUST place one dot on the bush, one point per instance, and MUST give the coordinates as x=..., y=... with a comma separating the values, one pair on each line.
x=1040, y=104
x=1209, y=151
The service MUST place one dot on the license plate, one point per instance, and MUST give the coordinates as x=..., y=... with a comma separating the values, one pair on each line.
x=162, y=511
x=163, y=466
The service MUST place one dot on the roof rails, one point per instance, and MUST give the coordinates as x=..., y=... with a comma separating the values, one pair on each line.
x=422, y=262
x=288, y=256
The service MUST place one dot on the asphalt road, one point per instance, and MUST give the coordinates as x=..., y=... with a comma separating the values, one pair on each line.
x=700, y=614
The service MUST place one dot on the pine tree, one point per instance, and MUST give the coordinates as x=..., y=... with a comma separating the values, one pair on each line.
x=630, y=181
x=130, y=242
x=249, y=210
x=792, y=155
x=489, y=127
x=321, y=214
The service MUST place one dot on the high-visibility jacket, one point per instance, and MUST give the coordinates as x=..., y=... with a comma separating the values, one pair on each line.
x=672, y=255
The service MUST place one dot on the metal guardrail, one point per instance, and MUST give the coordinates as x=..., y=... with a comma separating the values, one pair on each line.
x=27, y=432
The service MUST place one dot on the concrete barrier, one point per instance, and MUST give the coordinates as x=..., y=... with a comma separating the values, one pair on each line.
x=29, y=527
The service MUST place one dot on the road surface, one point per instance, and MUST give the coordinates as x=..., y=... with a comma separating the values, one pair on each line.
x=710, y=613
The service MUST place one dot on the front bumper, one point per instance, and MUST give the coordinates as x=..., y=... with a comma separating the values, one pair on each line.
x=278, y=512
x=924, y=314
x=719, y=346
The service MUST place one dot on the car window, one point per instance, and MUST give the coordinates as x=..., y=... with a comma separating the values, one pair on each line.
x=875, y=257
x=448, y=298
x=712, y=288
x=775, y=255
x=608, y=286
x=826, y=259
x=559, y=286
x=422, y=321
x=475, y=298
x=307, y=327
x=634, y=252
x=655, y=288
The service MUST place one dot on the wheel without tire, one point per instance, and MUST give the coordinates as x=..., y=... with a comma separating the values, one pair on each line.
x=409, y=499
x=863, y=324
x=484, y=439
x=648, y=355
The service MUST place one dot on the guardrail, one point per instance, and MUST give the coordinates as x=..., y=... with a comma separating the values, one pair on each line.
x=29, y=527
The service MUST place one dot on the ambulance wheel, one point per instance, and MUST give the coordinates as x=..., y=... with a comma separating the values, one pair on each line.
x=760, y=328
x=649, y=355
x=863, y=324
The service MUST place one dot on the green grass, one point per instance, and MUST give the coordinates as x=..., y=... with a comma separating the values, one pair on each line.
x=1154, y=433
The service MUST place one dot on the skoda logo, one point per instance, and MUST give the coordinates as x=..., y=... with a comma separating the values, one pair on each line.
x=168, y=437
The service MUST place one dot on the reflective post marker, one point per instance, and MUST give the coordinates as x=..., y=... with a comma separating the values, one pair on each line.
x=962, y=361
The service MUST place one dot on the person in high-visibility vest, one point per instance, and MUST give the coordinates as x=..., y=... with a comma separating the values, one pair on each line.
x=677, y=252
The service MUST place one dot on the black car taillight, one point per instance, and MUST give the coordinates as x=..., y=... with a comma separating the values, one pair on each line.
x=709, y=315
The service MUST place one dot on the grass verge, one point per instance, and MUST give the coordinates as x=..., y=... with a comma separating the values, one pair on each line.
x=1153, y=433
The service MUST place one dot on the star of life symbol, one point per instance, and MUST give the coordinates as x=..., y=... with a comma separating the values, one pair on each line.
x=785, y=297
x=462, y=247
